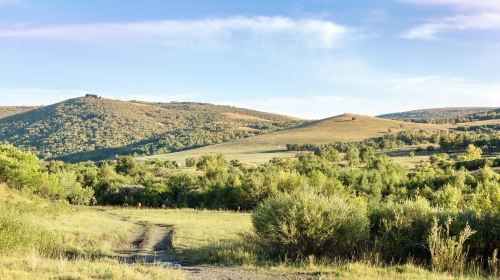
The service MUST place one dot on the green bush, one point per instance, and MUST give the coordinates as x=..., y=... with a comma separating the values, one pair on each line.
x=300, y=225
x=399, y=230
x=487, y=226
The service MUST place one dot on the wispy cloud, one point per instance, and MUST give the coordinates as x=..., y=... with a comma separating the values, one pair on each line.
x=401, y=93
x=312, y=33
x=460, y=4
x=430, y=30
x=475, y=15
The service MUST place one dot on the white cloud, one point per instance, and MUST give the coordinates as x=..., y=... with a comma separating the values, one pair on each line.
x=400, y=94
x=309, y=32
x=484, y=21
x=35, y=96
x=460, y=4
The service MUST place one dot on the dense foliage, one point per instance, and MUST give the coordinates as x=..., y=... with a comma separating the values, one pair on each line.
x=304, y=224
x=388, y=141
x=443, y=115
x=23, y=171
x=449, y=142
x=478, y=116
x=94, y=128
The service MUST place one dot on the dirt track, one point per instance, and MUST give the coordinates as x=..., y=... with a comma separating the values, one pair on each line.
x=152, y=244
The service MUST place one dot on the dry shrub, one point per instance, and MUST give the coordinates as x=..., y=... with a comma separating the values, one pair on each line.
x=448, y=252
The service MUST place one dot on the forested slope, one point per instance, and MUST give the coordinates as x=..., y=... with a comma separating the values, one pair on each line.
x=437, y=113
x=95, y=128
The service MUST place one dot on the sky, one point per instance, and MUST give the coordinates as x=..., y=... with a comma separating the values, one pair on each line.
x=305, y=58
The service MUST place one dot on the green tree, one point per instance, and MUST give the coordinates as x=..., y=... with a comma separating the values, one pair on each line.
x=212, y=165
x=126, y=165
x=352, y=156
x=471, y=153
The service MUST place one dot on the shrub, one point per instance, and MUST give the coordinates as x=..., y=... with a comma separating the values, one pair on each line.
x=447, y=252
x=399, y=229
x=300, y=225
x=487, y=226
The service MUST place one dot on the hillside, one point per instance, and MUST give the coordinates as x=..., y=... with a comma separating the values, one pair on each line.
x=437, y=113
x=94, y=128
x=6, y=111
x=342, y=128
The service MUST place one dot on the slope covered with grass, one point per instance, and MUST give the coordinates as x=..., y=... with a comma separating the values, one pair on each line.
x=342, y=128
x=6, y=111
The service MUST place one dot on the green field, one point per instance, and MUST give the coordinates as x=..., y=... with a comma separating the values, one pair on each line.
x=262, y=148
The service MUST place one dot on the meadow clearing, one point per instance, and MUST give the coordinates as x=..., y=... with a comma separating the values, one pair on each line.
x=262, y=148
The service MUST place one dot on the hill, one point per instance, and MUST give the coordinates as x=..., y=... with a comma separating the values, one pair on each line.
x=342, y=128
x=95, y=128
x=6, y=111
x=437, y=113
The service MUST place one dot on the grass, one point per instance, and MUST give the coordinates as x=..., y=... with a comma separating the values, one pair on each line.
x=363, y=270
x=91, y=233
x=262, y=148
x=36, y=267
x=211, y=237
x=193, y=228
x=44, y=240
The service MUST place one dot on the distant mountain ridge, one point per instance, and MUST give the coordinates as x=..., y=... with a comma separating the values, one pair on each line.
x=437, y=113
x=95, y=128
x=6, y=111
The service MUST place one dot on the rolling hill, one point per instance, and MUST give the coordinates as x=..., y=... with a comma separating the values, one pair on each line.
x=437, y=113
x=342, y=128
x=6, y=111
x=95, y=128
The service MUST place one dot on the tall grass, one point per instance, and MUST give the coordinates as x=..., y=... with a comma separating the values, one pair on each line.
x=448, y=252
x=34, y=266
x=18, y=235
x=494, y=264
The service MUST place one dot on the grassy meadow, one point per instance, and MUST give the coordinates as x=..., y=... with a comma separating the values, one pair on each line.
x=47, y=240
x=262, y=148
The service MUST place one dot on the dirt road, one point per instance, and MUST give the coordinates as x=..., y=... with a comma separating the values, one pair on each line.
x=152, y=244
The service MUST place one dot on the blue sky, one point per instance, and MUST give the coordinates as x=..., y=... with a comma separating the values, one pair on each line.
x=310, y=59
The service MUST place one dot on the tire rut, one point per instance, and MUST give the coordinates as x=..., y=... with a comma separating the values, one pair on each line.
x=153, y=244
x=149, y=243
